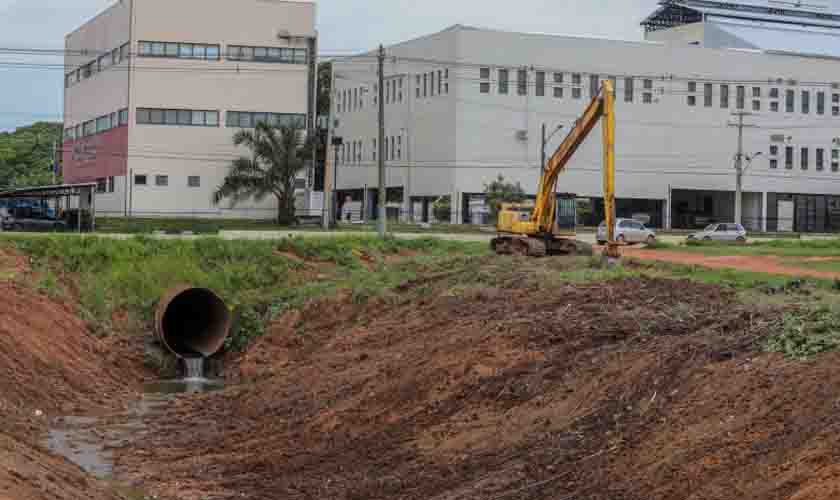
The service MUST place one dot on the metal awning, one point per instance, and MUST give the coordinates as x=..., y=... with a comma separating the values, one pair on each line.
x=57, y=191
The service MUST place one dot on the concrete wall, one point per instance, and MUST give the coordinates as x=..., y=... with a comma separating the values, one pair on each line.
x=693, y=33
x=661, y=145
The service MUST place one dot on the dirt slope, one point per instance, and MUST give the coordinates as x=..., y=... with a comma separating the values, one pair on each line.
x=50, y=364
x=635, y=389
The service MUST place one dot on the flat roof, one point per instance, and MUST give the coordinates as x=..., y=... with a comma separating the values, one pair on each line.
x=47, y=191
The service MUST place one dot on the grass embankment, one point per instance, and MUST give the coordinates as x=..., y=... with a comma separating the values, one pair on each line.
x=119, y=279
x=116, y=281
x=149, y=225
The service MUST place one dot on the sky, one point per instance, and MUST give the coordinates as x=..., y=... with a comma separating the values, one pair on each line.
x=28, y=95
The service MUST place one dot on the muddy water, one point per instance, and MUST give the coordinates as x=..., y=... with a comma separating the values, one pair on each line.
x=88, y=441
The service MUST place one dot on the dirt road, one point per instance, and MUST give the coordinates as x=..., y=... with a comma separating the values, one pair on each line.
x=752, y=263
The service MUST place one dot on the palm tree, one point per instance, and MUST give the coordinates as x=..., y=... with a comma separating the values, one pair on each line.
x=277, y=157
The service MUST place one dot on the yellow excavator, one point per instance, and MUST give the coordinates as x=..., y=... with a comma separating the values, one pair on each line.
x=547, y=226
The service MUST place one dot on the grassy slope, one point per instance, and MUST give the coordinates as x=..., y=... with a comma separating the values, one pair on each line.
x=258, y=279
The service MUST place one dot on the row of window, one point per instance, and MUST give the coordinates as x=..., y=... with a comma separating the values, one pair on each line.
x=353, y=152
x=428, y=84
x=774, y=94
x=180, y=117
x=98, y=65
x=284, y=55
x=180, y=50
x=97, y=126
x=193, y=181
x=243, y=119
x=804, y=158
x=558, y=84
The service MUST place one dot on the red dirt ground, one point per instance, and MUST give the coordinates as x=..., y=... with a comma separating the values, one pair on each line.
x=628, y=390
x=754, y=263
x=50, y=363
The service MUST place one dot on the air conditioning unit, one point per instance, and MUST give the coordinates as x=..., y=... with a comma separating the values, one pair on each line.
x=521, y=135
x=836, y=141
x=792, y=82
x=777, y=138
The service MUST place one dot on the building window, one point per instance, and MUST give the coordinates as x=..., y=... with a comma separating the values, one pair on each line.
x=789, y=157
x=806, y=102
x=179, y=50
x=820, y=103
x=123, y=117
x=628, y=90
x=111, y=184
x=835, y=160
x=180, y=117
x=558, y=92
x=484, y=73
x=774, y=163
x=193, y=181
x=789, y=97
x=432, y=83
x=647, y=98
x=101, y=185
x=756, y=92
x=446, y=81
x=692, y=86
x=425, y=84
x=393, y=149
x=740, y=97
x=820, y=159
x=161, y=180
x=774, y=93
x=282, y=55
x=707, y=95
x=774, y=106
x=774, y=150
x=540, y=83
x=374, y=150
x=416, y=88
x=440, y=82
x=803, y=159
x=756, y=105
x=140, y=180
x=522, y=82
x=576, y=79
x=248, y=119
x=692, y=100
x=558, y=77
x=504, y=81
x=484, y=87
x=399, y=147
x=647, y=84
x=594, y=85
x=724, y=96
x=577, y=93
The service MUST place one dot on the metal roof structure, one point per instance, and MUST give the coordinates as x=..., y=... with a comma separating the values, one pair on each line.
x=57, y=191
x=793, y=41
x=673, y=13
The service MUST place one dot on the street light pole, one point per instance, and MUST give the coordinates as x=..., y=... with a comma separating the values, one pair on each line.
x=336, y=142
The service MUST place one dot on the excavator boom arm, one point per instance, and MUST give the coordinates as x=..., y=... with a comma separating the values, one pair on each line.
x=601, y=108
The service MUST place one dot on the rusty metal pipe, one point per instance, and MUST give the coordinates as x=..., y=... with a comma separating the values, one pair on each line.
x=192, y=321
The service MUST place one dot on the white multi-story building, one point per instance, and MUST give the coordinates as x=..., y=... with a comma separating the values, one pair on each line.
x=156, y=89
x=466, y=105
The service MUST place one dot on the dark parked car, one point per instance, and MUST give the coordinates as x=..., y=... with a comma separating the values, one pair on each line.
x=27, y=220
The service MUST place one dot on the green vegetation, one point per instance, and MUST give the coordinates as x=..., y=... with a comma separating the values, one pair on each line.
x=780, y=248
x=123, y=225
x=258, y=279
x=25, y=155
x=807, y=333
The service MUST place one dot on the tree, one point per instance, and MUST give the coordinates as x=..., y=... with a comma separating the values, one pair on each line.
x=278, y=156
x=500, y=191
x=26, y=155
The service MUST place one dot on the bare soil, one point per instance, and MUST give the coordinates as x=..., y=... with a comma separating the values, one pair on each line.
x=631, y=389
x=51, y=365
x=753, y=263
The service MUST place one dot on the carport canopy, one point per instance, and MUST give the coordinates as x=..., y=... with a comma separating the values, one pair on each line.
x=57, y=192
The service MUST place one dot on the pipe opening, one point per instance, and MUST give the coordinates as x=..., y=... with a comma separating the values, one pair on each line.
x=193, y=322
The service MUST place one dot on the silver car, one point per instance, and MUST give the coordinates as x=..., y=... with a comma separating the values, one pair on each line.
x=721, y=232
x=627, y=231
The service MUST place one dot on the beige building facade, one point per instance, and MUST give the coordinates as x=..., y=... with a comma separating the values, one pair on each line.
x=155, y=91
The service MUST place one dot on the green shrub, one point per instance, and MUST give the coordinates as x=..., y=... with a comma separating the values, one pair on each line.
x=805, y=334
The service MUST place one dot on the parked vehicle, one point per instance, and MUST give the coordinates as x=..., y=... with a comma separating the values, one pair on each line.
x=721, y=232
x=627, y=231
x=28, y=220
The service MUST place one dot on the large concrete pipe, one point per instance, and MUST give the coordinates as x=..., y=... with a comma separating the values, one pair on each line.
x=192, y=321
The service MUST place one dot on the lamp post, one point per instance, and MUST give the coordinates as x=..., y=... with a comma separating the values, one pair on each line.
x=337, y=143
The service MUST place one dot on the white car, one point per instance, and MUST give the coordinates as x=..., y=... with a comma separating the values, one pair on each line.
x=721, y=232
x=627, y=231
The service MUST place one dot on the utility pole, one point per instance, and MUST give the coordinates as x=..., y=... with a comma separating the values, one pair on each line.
x=381, y=223
x=739, y=161
x=54, y=163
